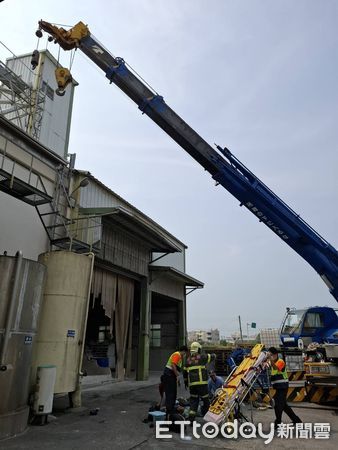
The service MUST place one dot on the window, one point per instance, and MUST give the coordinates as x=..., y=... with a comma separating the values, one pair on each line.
x=47, y=89
x=104, y=333
x=293, y=321
x=312, y=322
x=155, y=335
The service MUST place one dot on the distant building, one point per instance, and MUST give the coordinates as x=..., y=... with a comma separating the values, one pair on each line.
x=207, y=336
x=235, y=337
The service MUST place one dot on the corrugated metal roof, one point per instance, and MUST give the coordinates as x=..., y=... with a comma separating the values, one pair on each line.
x=187, y=280
x=140, y=228
x=140, y=213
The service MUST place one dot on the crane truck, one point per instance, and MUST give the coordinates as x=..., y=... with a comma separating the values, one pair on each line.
x=227, y=171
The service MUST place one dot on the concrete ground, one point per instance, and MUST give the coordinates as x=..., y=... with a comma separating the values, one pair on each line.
x=118, y=423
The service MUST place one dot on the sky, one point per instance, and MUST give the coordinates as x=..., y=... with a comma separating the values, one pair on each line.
x=256, y=76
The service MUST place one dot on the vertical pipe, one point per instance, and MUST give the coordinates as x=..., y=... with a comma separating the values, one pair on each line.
x=240, y=328
x=11, y=310
x=92, y=256
x=145, y=320
x=76, y=395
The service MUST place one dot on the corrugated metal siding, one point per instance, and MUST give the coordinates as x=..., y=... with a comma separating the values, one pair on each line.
x=123, y=251
x=88, y=229
x=166, y=286
x=94, y=196
x=57, y=113
x=22, y=67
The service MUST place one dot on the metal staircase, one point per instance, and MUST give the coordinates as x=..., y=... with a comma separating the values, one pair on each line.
x=25, y=177
x=62, y=230
x=53, y=214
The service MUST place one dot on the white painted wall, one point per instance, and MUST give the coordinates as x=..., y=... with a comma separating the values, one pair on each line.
x=20, y=228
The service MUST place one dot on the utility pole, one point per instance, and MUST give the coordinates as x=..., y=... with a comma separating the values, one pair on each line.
x=240, y=328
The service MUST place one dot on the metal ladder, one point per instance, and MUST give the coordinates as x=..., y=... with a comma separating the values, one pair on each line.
x=55, y=219
x=53, y=215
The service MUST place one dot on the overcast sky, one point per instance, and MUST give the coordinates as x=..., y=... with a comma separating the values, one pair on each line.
x=257, y=76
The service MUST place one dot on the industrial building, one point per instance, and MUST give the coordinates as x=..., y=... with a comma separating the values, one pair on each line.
x=146, y=263
x=126, y=242
x=136, y=310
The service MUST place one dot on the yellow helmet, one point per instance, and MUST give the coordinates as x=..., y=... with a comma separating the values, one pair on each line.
x=195, y=347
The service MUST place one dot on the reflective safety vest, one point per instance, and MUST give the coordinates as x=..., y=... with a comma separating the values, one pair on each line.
x=279, y=376
x=195, y=371
x=175, y=358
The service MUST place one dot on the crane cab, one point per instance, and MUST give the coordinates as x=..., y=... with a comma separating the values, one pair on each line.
x=303, y=326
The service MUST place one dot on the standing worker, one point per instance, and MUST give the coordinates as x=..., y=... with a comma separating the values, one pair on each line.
x=196, y=378
x=280, y=382
x=170, y=378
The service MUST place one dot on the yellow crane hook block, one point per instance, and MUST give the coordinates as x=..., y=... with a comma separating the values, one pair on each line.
x=63, y=78
x=237, y=386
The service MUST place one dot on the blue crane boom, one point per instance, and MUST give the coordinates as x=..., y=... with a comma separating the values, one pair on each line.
x=223, y=166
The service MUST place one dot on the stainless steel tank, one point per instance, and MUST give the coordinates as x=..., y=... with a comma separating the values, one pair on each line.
x=21, y=288
x=63, y=319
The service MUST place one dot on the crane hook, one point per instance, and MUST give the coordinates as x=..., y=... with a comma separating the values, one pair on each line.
x=63, y=78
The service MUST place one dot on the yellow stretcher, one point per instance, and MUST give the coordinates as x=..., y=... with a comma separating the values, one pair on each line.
x=236, y=387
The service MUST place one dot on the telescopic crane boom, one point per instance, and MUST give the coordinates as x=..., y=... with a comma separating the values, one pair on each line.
x=223, y=166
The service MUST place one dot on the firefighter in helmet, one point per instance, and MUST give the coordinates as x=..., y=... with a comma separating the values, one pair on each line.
x=195, y=375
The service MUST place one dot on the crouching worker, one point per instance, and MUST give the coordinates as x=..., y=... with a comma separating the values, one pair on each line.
x=196, y=379
x=280, y=382
x=170, y=378
x=215, y=382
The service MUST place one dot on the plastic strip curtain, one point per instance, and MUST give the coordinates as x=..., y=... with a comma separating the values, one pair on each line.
x=105, y=283
x=123, y=313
